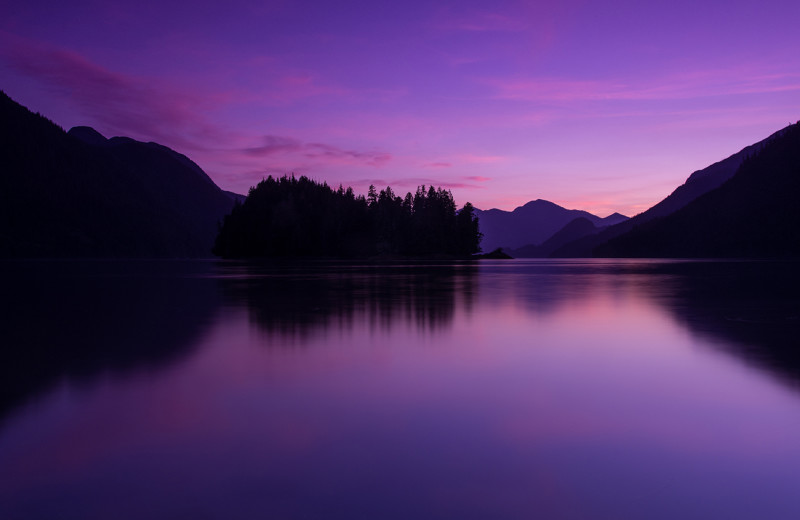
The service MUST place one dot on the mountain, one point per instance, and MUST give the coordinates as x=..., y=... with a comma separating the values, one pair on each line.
x=530, y=224
x=79, y=194
x=707, y=179
x=754, y=214
x=613, y=219
x=575, y=229
x=698, y=183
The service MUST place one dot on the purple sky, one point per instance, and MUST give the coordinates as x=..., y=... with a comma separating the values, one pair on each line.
x=602, y=106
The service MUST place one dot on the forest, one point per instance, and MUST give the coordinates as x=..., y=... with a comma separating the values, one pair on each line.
x=299, y=217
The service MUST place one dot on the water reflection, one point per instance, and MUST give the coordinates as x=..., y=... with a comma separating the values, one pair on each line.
x=585, y=389
x=78, y=320
x=295, y=302
x=748, y=309
x=542, y=287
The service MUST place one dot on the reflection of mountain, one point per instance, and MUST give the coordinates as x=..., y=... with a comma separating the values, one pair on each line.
x=751, y=309
x=78, y=320
x=748, y=309
x=297, y=301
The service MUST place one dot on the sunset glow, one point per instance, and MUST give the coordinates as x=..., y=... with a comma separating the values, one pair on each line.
x=598, y=106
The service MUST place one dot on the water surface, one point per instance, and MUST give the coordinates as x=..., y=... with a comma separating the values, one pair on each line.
x=504, y=389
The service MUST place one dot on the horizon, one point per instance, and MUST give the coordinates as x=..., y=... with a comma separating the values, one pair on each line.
x=606, y=109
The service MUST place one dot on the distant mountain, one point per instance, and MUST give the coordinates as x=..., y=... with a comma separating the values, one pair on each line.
x=531, y=224
x=756, y=213
x=698, y=183
x=613, y=219
x=79, y=194
x=575, y=229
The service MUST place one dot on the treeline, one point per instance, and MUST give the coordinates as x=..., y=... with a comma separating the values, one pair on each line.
x=298, y=217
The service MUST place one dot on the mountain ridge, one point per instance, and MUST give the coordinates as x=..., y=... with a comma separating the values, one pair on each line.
x=78, y=194
x=531, y=224
x=697, y=184
x=754, y=214
x=577, y=228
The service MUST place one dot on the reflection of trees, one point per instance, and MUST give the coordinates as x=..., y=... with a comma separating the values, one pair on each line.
x=296, y=302
x=80, y=319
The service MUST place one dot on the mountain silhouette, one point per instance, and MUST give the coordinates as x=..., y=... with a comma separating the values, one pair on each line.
x=699, y=183
x=575, y=229
x=754, y=214
x=79, y=194
x=614, y=218
x=531, y=224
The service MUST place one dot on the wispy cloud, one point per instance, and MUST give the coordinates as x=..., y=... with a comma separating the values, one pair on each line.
x=180, y=117
x=739, y=81
x=293, y=86
x=129, y=105
x=480, y=159
x=151, y=108
x=480, y=21
x=320, y=150
x=438, y=165
x=274, y=145
x=412, y=183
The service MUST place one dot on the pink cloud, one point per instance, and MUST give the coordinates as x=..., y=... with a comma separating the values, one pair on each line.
x=325, y=151
x=275, y=83
x=482, y=21
x=550, y=89
x=274, y=145
x=438, y=165
x=152, y=110
x=481, y=159
x=117, y=102
x=411, y=183
x=293, y=86
x=443, y=183
x=725, y=82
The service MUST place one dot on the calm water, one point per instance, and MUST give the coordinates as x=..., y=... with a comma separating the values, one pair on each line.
x=502, y=390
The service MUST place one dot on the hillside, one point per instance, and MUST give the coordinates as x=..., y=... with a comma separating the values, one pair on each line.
x=531, y=224
x=81, y=195
x=578, y=228
x=698, y=183
x=754, y=214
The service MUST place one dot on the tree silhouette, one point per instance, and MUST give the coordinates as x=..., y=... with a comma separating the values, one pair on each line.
x=298, y=217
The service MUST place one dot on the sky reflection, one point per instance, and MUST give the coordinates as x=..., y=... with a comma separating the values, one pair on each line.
x=542, y=390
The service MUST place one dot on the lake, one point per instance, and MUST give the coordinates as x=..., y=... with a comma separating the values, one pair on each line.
x=576, y=389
